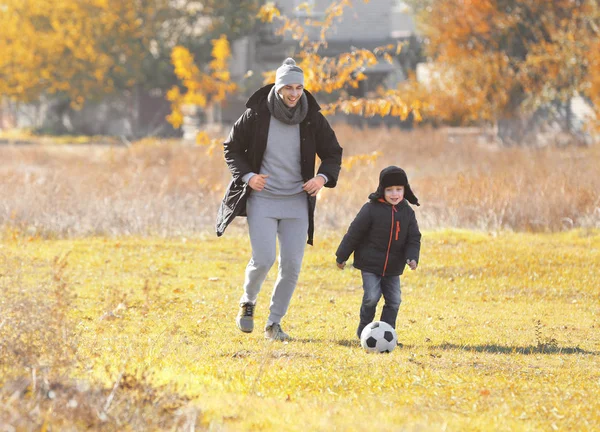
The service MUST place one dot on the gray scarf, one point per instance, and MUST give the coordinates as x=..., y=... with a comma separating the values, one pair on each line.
x=285, y=114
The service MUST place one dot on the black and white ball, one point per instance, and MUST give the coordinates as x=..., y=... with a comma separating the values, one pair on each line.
x=379, y=337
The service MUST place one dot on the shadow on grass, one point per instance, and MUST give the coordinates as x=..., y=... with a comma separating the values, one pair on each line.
x=350, y=343
x=306, y=340
x=502, y=349
x=355, y=343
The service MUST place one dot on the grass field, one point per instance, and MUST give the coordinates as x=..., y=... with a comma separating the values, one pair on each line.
x=117, y=302
x=498, y=332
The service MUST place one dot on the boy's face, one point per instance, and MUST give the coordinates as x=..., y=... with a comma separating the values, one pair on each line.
x=291, y=94
x=394, y=194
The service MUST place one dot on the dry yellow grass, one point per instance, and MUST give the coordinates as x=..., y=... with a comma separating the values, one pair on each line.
x=499, y=332
x=168, y=189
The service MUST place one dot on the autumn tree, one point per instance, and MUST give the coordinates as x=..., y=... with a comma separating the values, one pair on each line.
x=509, y=62
x=76, y=51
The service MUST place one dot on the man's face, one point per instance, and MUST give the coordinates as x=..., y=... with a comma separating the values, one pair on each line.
x=291, y=94
x=394, y=194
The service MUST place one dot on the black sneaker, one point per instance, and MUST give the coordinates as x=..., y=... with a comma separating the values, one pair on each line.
x=245, y=317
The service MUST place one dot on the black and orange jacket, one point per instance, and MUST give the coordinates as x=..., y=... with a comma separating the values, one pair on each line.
x=382, y=236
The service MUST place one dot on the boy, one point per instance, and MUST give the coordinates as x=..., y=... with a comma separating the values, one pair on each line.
x=384, y=237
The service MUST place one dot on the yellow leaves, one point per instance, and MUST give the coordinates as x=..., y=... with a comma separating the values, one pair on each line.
x=417, y=115
x=211, y=144
x=335, y=10
x=173, y=94
x=75, y=46
x=268, y=12
x=221, y=53
x=182, y=60
x=306, y=7
x=175, y=118
x=370, y=158
x=384, y=107
x=330, y=74
x=389, y=104
x=202, y=138
x=359, y=77
x=293, y=27
x=202, y=87
x=298, y=31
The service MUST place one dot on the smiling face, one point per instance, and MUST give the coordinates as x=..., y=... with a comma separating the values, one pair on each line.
x=291, y=94
x=394, y=194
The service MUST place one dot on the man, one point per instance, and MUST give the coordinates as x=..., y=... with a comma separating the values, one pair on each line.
x=271, y=154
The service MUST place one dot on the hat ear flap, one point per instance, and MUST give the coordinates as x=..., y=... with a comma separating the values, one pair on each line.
x=410, y=196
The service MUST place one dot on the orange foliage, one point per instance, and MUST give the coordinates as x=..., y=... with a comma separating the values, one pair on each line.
x=72, y=47
x=501, y=58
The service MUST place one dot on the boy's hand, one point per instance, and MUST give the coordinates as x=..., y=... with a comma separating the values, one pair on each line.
x=412, y=264
x=341, y=265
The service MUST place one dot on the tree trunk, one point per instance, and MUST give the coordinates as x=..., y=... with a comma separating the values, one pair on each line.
x=512, y=131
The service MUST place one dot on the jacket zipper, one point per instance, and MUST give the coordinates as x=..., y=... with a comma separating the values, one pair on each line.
x=397, y=229
x=387, y=255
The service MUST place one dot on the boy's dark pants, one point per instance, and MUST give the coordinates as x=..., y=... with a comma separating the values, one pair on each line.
x=374, y=287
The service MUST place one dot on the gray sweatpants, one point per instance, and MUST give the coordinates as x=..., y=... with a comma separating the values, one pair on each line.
x=285, y=218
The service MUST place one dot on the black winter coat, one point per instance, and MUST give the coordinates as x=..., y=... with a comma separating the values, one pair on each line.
x=245, y=147
x=382, y=238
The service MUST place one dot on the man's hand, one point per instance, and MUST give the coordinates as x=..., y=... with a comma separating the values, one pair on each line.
x=341, y=265
x=412, y=264
x=314, y=185
x=258, y=182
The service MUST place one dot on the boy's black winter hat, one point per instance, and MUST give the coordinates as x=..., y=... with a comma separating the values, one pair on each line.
x=394, y=176
x=394, y=179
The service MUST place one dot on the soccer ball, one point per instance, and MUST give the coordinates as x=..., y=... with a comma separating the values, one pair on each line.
x=379, y=337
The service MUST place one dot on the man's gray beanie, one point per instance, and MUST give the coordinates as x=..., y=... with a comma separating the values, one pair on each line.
x=288, y=73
